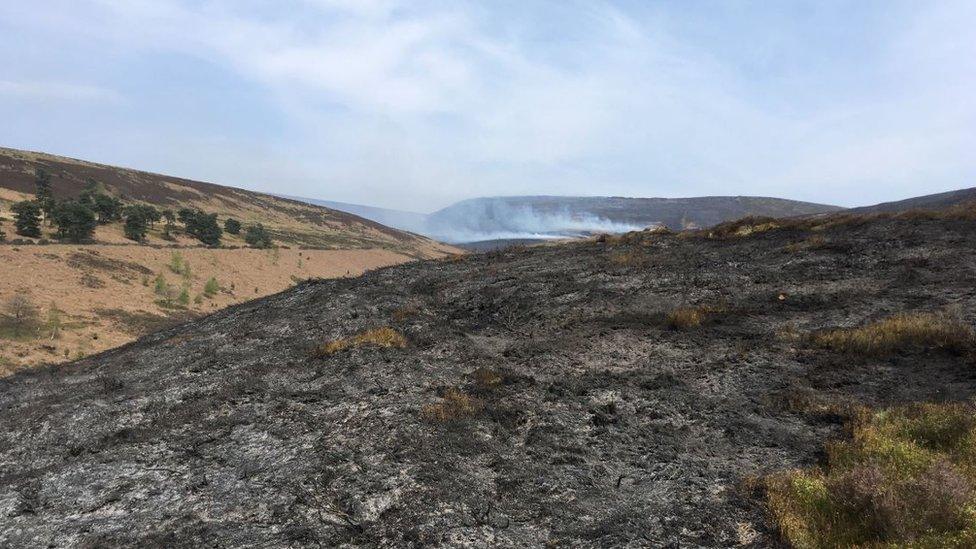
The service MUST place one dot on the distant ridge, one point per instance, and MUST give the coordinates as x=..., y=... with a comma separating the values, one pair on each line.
x=937, y=201
x=528, y=218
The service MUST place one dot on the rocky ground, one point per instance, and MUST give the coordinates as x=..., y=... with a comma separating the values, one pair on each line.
x=542, y=399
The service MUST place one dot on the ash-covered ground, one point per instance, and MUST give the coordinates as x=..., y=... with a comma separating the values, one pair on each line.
x=586, y=420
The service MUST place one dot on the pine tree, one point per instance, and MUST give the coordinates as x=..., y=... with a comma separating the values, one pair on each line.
x=257, y=236
x=232, y=226
x=107, y=207
x=43, y=194
x=27, y=218
x=76, y=221
x=135, y=227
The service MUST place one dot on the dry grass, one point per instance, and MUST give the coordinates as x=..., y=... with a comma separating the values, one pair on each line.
x=900, y=332
x=906, y=478
x=380, y=337
x=487, y=379
x=685, y=318
x=405, y=312
x=454, y=405
x=629, y=258
x=962, y=212
x=815, y=242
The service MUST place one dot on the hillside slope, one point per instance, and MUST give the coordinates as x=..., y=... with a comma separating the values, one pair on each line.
x=400, y=219
x=541, y=397
x=85, y=298
x=938, y=201
x=291, y=221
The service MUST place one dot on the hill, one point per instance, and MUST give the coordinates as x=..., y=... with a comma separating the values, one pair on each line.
x=400, y=219
x=938, y=201
x=85, y=298
x=291, y=222
x=621, y=391
x=481, y=221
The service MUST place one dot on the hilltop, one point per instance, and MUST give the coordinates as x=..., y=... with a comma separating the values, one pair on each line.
x=620, y=391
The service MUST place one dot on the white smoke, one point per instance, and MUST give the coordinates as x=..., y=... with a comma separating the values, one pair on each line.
x=475, y=221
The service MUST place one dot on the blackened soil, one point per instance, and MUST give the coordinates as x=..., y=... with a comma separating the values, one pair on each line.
x=601, y=427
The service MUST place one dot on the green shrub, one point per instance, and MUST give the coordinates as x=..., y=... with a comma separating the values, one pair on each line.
x=907, y=478
x=160, y=287
x=184, y=297
x=257, y=236
x=211, y=288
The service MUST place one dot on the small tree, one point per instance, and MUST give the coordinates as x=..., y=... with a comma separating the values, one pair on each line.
x=135, y=227
x=232, y=226
x=151, y=213
x=21, y=311
x=3, y=235
x=43, y=193
x=54, y=321
x=160, y=287
x=187, y=215
x=184, y=297
x=27, y=218
x=205, y=228
x=87, y=195
x=108, y=208
x=76, y=222
x=211, y=288
x=257, y=236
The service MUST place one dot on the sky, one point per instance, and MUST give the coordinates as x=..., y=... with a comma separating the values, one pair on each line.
x=416, y=104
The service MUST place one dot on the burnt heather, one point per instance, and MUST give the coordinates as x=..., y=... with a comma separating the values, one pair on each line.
x=540, y=396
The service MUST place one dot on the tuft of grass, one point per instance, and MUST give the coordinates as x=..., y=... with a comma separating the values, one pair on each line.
x=907, y=478
x=745, y=226
x=900, y=332
x=685, y=318
x=405, y=312
x=487, y=378
x=629, y=258
x=454, y=405
x=815, y=242
x=380, y=337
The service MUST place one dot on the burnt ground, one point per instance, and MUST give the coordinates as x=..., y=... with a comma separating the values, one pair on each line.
x=605, y=427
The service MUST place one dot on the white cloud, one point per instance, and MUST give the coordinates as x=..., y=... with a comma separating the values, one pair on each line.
x=418, y=103
x=56, y=91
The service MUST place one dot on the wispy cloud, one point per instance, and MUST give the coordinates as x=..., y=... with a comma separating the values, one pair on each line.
x=419, y=103
x=56, y=91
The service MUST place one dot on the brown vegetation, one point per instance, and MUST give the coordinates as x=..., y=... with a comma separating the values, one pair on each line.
x=405, y=312
x=900, y=332
x=454, y=405
x=486, y=378
x=629, y=258
x=379, y=337
x=684, y=318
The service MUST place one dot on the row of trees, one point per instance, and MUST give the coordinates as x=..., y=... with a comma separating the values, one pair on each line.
x=76, y=220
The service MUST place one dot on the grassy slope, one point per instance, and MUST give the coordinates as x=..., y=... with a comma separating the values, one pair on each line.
x=291, y=222
x=98, y=291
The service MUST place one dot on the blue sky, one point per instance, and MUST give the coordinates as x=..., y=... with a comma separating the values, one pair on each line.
x=416, y=104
